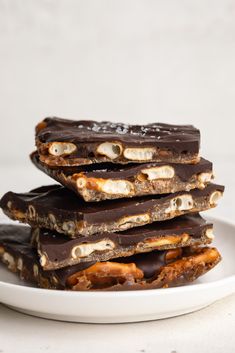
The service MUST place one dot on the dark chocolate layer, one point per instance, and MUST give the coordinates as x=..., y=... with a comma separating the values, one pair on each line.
x=177, y=137
x=11, y=233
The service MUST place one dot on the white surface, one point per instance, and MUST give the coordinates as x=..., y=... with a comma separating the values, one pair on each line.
x=210, y=330
x=126, y=60
x=128, y=306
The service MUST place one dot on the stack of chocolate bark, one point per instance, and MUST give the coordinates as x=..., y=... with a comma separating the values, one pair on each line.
x=126, y=215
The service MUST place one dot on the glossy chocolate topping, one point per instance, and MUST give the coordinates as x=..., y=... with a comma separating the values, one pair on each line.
x=175, y=137
x=150, y=263
x=15, y=239
x=11, y=233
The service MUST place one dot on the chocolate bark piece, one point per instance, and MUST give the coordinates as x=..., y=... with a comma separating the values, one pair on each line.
x=157, y=269
x=20, y=255
x=57, y=208
x=113, y=181
x=56, y=251
x=62, y=142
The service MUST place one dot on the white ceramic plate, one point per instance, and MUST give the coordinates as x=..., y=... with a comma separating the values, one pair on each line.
x=129, y=306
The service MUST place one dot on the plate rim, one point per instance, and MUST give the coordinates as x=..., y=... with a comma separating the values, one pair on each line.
x=144, y=292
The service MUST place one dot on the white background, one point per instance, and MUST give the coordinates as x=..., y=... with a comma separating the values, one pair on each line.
x=124, y=60
x=135, y=61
